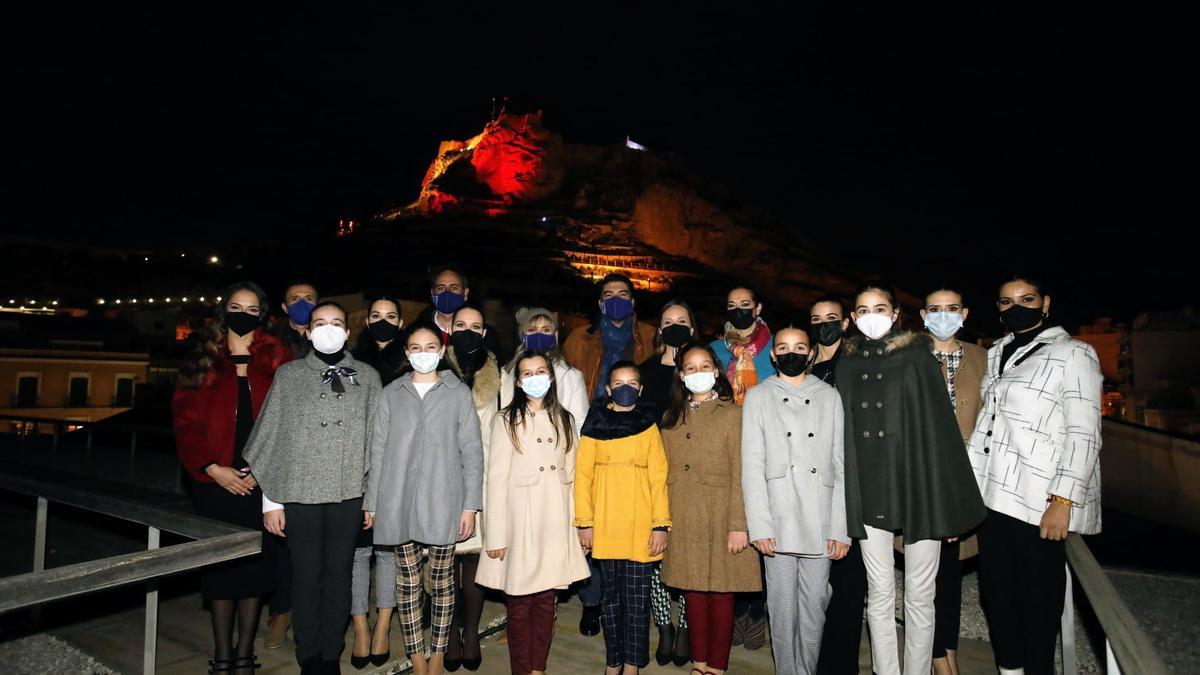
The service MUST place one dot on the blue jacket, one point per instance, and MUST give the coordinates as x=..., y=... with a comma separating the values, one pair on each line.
x=762, y=360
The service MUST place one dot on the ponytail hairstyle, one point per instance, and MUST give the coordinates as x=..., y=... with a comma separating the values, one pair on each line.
x=208, y=341
x=677, y=410
x=514, y=413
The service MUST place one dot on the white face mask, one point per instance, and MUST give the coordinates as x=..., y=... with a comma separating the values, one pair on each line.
x=943, y=325
x=874, y=325
x=700, y=382
x=536, y=386
x=424, y=362
x=328, y=339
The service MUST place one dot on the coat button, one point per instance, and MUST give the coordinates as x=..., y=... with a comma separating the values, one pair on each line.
x=879, y=404
x=339, y=395
x=789, y=434
x=539, y=440
x=866, y=434
x=339, y=423
x=986, y=450
x=813, y=470
x=879, y=352
x=687, y=467
x=551, y=467
x=807, y=401
x=549, y=440
x=785, y=399
x=989, y=433
x=810, y=434
x=541, y=468
x=864, y=404
x=688, y=434
x=324, y=424
x=865, y=376
x=322, y=395
x=881, y=434
x=879, y=376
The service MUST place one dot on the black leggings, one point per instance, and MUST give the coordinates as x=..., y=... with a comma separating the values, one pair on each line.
x=947, y=603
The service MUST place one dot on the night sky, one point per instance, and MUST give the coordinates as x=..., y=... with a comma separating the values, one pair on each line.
x=951, y=145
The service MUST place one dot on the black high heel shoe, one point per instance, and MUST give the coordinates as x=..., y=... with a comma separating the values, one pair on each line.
x=360, y=662
x=380, y=659
x=243, y=662
x=666, y=642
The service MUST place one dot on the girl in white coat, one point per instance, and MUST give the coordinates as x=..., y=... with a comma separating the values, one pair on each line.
x=532, y=548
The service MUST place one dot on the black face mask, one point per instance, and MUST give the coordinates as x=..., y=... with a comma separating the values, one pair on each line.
x=242, y=323
x=676, y=335
x=1020, y=318
x=740, y=318
x=468, y=349
x=383, y=331
x=791, y=364
x=827, y=332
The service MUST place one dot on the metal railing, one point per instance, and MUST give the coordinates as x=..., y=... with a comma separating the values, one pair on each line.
x=1127, y=647
x=214, y=542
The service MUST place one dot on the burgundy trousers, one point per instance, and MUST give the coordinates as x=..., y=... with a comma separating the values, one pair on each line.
x=710, y=627
x=530, y=629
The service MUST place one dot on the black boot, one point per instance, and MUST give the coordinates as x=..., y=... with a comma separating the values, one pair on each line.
x=589, y=623
x=682, y=652
x=666, y=642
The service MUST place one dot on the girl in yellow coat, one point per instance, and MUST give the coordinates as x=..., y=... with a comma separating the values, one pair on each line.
x=621, y=512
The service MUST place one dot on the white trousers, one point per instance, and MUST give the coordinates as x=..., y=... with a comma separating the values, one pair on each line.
x=920, y=570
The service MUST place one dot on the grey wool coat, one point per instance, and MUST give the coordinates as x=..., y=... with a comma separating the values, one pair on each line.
x=309, y=444
x=792, y=465
x=426, y=462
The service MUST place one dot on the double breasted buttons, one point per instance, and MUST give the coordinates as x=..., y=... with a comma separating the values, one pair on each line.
x=807, y=401
x=866, y=434
x=785, y=399
x=322, y=395
x=339, y=423
x=541, y=468
x=865, y=376
x=881, y=434
x=539, y=440
x=339, y=395
x=866, y=353
x=550, y=440
x=810, y=434
x=789, y=434
x=864, y=404
x=324, y=424
x=879, y=376
x=551, y=467
x=813, y=470
x=879, y=352
x=879, y=404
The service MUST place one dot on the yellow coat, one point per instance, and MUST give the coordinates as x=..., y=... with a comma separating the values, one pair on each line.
x=621, y=491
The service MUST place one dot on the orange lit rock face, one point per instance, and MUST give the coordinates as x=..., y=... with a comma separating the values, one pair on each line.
x=515, y=160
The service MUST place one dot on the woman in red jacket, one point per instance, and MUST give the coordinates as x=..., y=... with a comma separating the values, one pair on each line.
x=217, y=398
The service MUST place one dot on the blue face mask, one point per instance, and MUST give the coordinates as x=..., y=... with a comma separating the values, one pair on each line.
x=536, y=386
x=617, y=308
x=539, y=342
x=300, y=312
x=625, y=395
x=448, y=302
x=943, y=325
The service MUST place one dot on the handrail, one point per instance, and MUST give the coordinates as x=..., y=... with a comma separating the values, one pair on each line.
x=1124, y=635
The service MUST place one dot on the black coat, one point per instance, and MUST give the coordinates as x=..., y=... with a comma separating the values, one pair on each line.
x=386, y=361
x=907, y=470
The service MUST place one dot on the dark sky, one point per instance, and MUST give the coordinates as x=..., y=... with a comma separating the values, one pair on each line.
x=953, y=144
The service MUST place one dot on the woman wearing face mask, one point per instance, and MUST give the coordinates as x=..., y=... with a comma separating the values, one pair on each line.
x=676, y=327
x=793, y=481
x=829, y=324
x=962, y=365
x=379, y=348
x=532, y=549
x=308, y=451
x=218, y=395
x=621, y=512
x=476, y=367
x=1035, y=450
x=745, y=351
x=539, y=333
x=906, y=473
x=702, y=434
x=425, y=486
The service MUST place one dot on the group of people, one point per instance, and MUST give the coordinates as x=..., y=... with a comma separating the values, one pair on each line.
x=764, y=478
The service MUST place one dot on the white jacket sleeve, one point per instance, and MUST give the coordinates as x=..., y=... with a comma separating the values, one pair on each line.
x=1082, y=392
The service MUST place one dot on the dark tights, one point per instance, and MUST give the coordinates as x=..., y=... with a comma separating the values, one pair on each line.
x=248, y=610
x=468, y=607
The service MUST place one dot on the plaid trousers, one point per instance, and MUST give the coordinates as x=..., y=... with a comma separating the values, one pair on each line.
x=626, y=612
x=410, y=561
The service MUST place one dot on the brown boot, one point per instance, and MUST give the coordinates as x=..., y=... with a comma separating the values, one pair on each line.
x=277, y=628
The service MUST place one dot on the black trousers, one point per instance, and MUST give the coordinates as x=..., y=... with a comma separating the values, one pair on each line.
x=321, y=539
x=947, y=604
x=281, y=599
x=844, y=616
x=1022, y=584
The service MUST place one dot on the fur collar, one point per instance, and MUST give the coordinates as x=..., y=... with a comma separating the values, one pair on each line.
x=485, y=387
x=893, y=341
x=604, y=424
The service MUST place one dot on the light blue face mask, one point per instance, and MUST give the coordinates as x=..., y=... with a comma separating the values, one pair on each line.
x=943, y=325
x=536, y=386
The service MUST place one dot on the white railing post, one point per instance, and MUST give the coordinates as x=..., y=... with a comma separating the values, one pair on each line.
x=1069, y=662
x=151, y=636
x=1113, y=668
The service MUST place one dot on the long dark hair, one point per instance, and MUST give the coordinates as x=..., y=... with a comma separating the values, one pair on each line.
x=207, y=341
x=677, y=410
x=514, y=413
x=659, y=347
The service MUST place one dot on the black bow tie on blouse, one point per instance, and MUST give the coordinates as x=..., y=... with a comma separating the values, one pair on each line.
x=331, y=377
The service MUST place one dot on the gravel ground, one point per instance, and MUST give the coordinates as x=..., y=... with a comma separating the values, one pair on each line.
x=40, y=654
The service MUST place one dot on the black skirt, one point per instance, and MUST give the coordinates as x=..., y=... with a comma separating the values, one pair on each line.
x=248, y=577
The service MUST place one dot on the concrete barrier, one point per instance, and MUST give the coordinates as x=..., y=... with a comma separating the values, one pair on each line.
x=1151, y=474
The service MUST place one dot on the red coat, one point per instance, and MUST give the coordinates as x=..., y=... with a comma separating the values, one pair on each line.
x=206, y=418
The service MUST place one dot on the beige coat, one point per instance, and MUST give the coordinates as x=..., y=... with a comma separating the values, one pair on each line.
x=704, y=485
x=529, y=504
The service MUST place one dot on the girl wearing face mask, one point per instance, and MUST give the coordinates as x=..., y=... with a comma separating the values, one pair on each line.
x=532, y=549
x=676, y=327
x=217, y=396
x=425, y=486
x=793, y=481
x=906, y=473
x=702, y=434
x=308, y=451
x=378, y=347
x=471, y=361
x=1035, y=450
x=745, y=350
x=962, y=366
x=539, y=333
x=621, y=512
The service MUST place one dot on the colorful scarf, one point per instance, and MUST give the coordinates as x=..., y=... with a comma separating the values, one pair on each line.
x=740, y=369
x=615, y=341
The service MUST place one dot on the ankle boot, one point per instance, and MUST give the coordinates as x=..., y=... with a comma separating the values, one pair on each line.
x=666, y=642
